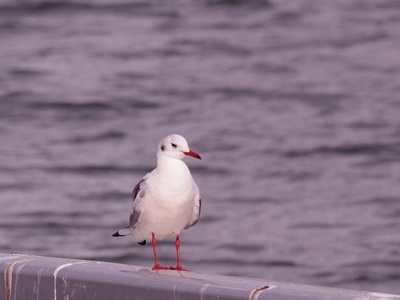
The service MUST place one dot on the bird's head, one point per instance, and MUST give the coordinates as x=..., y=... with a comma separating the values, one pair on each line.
x=175, y=146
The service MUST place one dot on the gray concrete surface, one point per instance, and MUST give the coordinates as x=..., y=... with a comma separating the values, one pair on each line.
x=28, y=277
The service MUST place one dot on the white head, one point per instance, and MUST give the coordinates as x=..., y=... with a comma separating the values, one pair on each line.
x=175, y=146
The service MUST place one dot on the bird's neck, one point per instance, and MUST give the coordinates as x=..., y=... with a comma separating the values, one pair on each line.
x=172, y=167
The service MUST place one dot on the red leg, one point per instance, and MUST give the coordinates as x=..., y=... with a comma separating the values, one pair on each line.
x=156, y=264
x=178, y=257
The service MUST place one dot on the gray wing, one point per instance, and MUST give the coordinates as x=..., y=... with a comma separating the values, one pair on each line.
x=137, y=193
x=196, y=210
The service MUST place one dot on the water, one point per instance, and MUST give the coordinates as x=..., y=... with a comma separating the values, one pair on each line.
x=293, y=106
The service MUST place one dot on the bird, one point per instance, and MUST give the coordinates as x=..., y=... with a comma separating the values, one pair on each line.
x=166, y=200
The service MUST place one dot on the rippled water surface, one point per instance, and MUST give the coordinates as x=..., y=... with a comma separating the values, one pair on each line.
x=293, y=105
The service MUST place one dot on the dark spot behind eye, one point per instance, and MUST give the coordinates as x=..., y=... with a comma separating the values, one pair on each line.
x=162, y=148
x=174, y=145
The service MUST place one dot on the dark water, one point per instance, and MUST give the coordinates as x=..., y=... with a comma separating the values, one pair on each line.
x=294, y=106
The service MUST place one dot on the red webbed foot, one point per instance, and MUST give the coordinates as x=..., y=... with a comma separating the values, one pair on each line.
x=178, y=268
x=159, y=267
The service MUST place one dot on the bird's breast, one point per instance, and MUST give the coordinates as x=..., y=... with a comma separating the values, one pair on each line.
x=174, y=192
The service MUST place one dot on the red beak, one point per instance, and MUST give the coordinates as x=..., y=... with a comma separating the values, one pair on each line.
x=192, y=154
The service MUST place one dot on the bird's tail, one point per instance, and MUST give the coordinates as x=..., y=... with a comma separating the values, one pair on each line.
x=123, y=232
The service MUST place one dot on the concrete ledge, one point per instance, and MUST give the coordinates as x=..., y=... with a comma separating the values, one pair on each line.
x=31, y=277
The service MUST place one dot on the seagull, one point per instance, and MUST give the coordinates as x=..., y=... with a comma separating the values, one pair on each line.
x=166, y=200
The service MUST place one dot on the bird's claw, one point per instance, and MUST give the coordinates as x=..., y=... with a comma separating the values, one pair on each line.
x=159, y=267
x=178, y=268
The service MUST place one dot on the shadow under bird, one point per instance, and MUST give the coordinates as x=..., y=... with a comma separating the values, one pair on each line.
x=166, y=200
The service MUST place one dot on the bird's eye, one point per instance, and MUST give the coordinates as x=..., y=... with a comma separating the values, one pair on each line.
x=174, y=145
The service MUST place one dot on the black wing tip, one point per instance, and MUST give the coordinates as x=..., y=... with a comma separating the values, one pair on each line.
x=142, y=243
x=116, y=234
